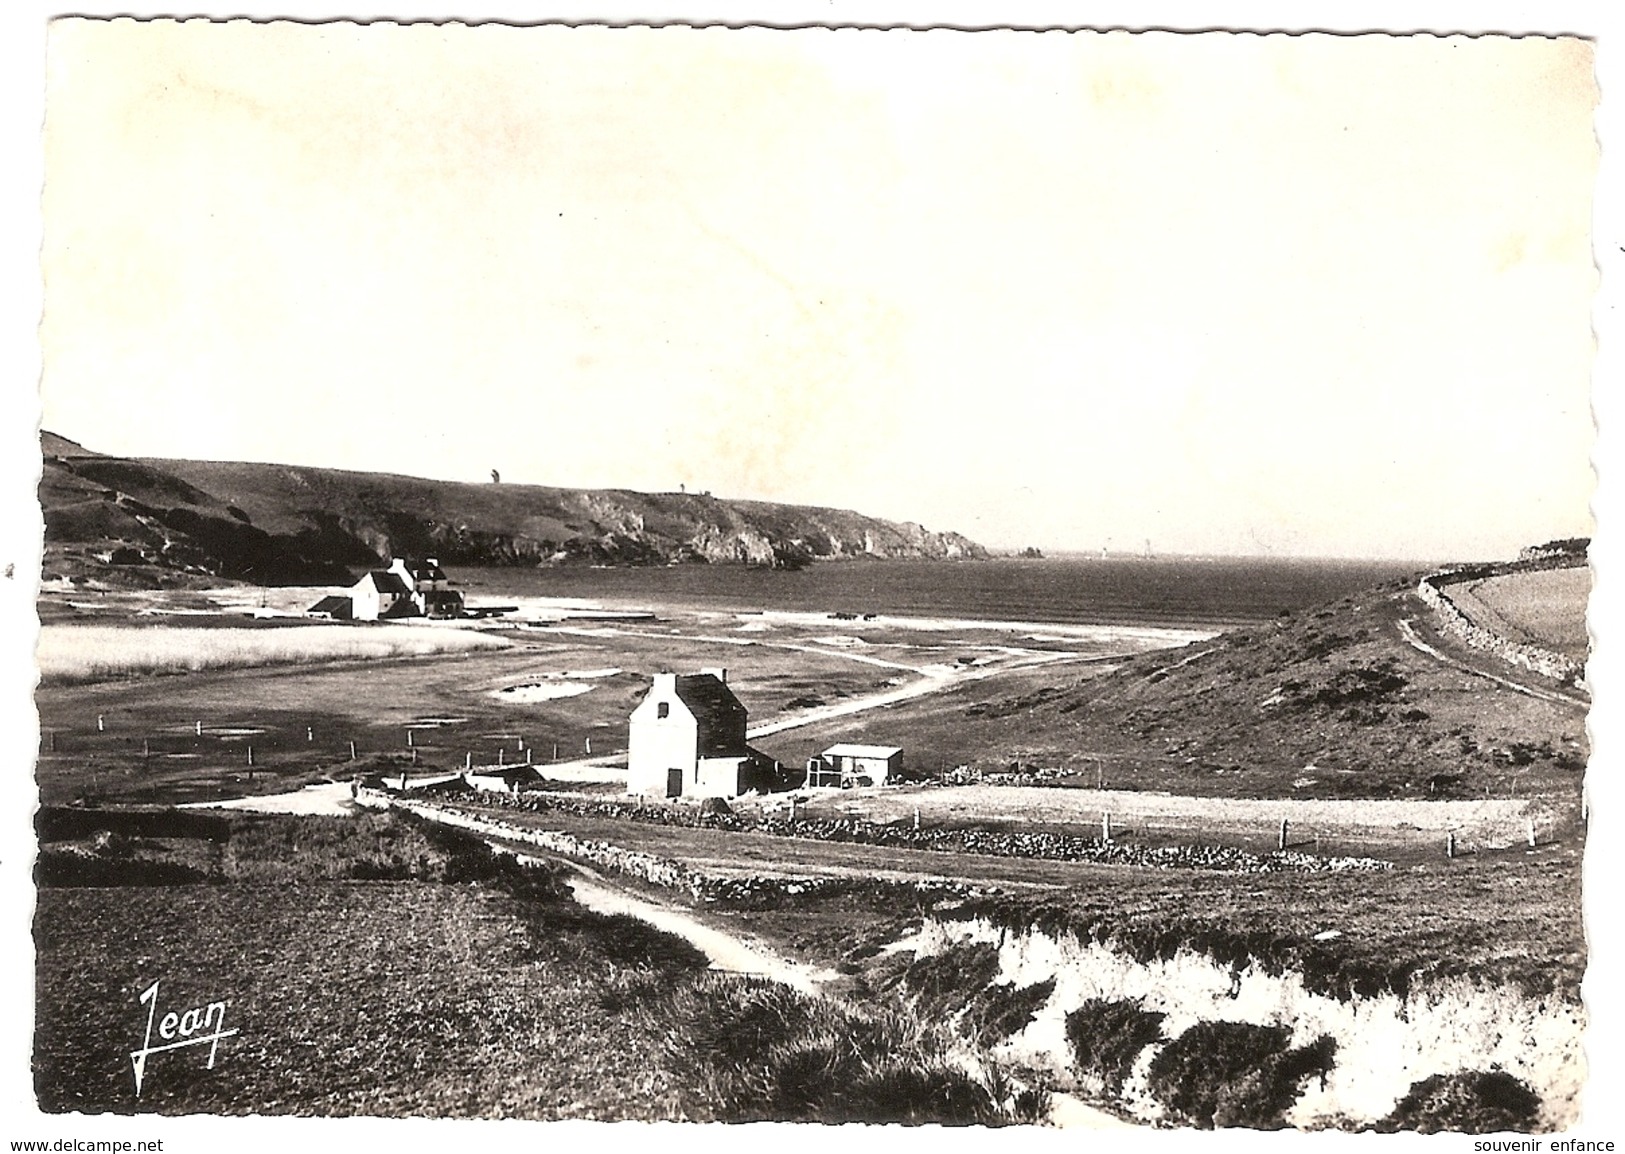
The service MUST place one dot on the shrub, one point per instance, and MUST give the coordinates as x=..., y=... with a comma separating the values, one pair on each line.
x=1107, y=1036
x=1469, y=1102
x=1002, y=1011
x=67, y=823
x=942, y=984
x=61, y=868
x=745, y=1049
x=1235, y=1074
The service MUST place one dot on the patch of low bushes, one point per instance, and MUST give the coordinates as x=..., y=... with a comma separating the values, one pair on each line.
x=1235, y=1074
x=1107, y=1035
x=1467, y=1102
x=1004, y=1010
x=746, y=1050
x=69, y=867
x=1323, y=966
x=941, y=985
x=68, y=823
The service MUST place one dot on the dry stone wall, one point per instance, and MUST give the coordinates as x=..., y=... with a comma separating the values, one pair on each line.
x=1432, y=590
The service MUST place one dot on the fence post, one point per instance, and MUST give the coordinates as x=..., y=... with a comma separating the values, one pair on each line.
x=502, y=755
x=101, y=727
x=1106, y=827
x=310, y=733
x=251, y=757
x=1450, y=844
x=199, y=726
x=146, y=749
x=916, y=817
x=1531, y=833
x=468, y=761
x=589, y=747
x=409, y=737
x=1282, y=842
x=352, y=750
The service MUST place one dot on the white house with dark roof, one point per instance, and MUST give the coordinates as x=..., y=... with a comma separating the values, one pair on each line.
x=381, y=594
x=687, y=737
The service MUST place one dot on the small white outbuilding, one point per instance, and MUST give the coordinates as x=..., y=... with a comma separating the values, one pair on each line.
x=855, y=765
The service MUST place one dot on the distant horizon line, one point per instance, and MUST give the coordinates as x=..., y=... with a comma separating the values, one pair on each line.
x=1049, y=552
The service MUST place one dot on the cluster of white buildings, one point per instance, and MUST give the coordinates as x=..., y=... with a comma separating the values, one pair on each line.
x=405, y=589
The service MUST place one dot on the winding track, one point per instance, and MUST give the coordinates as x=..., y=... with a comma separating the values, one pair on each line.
x=1407, y=631
x=932, y=678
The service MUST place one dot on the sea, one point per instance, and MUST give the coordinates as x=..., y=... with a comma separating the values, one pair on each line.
x=1173, y=591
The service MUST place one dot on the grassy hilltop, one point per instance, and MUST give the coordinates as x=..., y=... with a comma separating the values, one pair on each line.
x=1325, y=703
x=136, y=522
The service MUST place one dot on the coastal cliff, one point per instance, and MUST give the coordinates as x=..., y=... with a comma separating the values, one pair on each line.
x=133, y=521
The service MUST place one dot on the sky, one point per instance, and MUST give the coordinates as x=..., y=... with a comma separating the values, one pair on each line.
x=1316, y=295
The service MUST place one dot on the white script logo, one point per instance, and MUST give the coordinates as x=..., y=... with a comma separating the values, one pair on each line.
x=189, y=1027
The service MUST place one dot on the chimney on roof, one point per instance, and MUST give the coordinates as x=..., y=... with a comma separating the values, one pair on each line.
x=718, y=672
x=665, y=683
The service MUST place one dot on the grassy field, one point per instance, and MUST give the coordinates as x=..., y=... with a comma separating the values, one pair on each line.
x=1508, y=916
x=1545, y=607
x=300, y=720
x=136, y=738
x=70, y=653
x=393, y=969
x=1327, y=704
x=417, y=995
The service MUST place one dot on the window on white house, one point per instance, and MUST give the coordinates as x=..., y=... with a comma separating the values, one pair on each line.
x=663, y=709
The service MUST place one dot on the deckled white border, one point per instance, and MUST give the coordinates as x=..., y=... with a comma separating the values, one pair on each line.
x=21, y=106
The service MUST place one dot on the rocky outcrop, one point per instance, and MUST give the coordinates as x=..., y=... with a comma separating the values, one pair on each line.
x=278, y=524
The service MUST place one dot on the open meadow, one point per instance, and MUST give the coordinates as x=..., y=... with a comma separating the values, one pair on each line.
x=170, y=712
x=1069, y=788
x=1545, y=607
x=79, y=653
x=391, y=968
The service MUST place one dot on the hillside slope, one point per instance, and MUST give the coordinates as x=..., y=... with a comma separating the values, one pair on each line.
x=281, y=524
x=1330, y=702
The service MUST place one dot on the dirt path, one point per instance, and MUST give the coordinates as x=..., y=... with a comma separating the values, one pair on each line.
x=330, y=799
x=732, y=954
x=933, y=679
x=726, y=951
x=1407, y=630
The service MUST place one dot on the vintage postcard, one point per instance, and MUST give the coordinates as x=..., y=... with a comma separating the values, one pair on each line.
x=983, y=579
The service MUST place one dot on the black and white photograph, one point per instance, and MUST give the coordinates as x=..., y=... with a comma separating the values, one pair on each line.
x=1021, y=579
